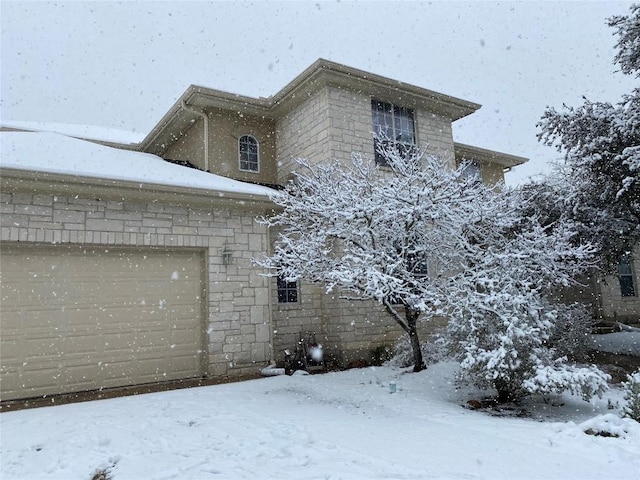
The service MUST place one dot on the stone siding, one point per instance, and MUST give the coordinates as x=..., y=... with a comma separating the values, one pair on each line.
x=615, y=307
x=303, y=133
x=434, y=134
x=238, y=312
x=335, y=123
x=348, y=330
x=352, y=127
x=351, y=124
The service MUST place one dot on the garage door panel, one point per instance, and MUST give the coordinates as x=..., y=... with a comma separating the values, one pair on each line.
x=80, y=375
x=81, y=319
x=80, y=346
x=38, y=377
x=42, y=348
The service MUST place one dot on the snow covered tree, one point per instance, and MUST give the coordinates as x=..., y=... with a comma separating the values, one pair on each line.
x=631, y=390
x=500, y=321
x=571, y=334
x=599, y=185
x=422, y=239
x=375, y=233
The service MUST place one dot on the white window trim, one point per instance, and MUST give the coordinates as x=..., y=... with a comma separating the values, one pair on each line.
x=257, y=153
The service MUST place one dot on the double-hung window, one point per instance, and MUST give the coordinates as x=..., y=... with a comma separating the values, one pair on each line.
x=625, y=275
x=248, y=153
x=393, y=127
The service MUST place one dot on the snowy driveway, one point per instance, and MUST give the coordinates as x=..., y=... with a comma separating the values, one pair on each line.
x=334, y=426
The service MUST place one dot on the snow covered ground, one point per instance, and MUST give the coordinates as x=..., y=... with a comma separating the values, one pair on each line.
x=625, y=342
x=344, y=425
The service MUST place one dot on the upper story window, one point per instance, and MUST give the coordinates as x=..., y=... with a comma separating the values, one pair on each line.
x=472, y=171
x=392, y=125
x=249, y=154
x=625, y=275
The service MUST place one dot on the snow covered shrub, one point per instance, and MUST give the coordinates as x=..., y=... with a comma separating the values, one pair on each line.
x=571, y=332
x=500, y=321
x=557, y=377
x=502, y=343
x=632, y=396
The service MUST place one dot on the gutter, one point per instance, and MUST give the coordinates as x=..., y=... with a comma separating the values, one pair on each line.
x=205, y=119
x=19, y=180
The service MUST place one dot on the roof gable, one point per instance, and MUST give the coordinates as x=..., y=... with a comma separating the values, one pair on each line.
x=321, y=73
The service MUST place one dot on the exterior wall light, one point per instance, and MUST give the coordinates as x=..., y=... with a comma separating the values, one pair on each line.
x=227, y=254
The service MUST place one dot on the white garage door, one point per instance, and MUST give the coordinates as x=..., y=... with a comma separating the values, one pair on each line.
x=74, y=319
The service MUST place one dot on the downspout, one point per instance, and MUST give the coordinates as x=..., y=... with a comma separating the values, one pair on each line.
x=205, y=119
x=272, y=358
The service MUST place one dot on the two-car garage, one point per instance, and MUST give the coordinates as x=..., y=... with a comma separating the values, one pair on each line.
x=81, y=318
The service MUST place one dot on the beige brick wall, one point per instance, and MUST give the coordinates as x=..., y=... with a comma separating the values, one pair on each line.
x=351, y=127
x=303, y=133
x=334, y=123
x=225, y=128
x=614, y=305
x=434, y=134
x=238, y=297
x=350, y=122
x=348, y=330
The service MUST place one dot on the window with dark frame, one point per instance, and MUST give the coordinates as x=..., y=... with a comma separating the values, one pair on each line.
x=625, y=275
x=248, y=154
x=473, y=172
x=287, y=291
x=393, y=126
x=418, y=265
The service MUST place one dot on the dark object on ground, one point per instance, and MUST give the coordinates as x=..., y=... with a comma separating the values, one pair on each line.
x=308, y=355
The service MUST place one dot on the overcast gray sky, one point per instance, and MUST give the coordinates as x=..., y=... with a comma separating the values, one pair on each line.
x=123, y=64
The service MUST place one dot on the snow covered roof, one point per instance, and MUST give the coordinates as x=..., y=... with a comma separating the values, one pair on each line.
x=58, y=154
x=90, y=132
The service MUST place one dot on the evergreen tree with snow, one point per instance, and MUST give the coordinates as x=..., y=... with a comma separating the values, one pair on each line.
x=598, y=186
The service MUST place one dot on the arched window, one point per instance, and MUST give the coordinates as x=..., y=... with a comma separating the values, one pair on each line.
x=248, y=154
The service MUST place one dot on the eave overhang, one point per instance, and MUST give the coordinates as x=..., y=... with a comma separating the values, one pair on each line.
x=470, y=152
x=18, y=180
